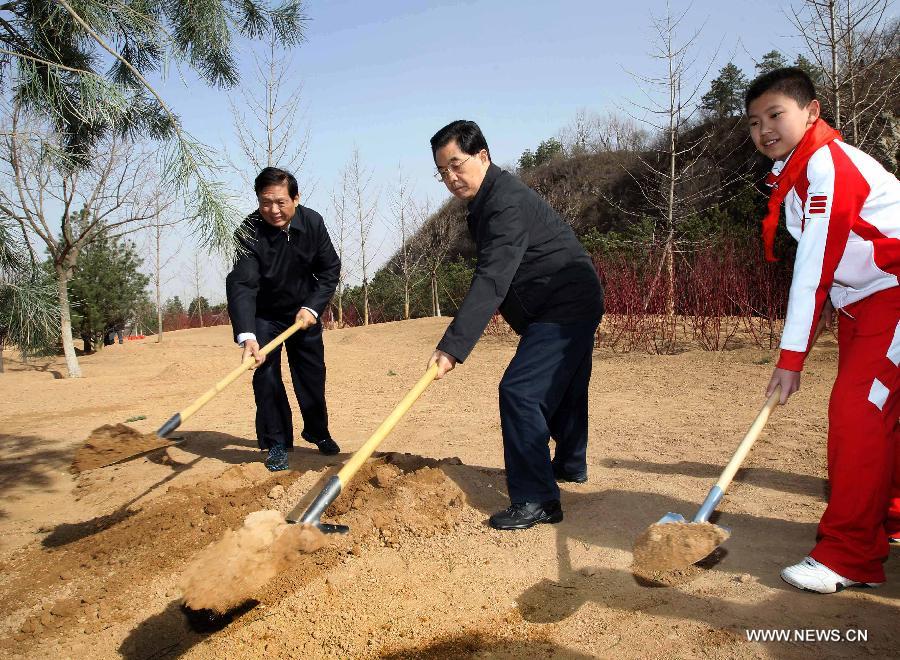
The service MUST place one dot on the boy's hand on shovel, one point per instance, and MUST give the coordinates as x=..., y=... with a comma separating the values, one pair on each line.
x=790, y=380
x=251, y=349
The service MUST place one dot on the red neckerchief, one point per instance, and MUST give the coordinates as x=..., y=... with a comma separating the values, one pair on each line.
x=816, y=136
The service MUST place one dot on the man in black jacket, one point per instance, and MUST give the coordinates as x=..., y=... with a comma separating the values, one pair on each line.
x=286, y=271
x=531, y=266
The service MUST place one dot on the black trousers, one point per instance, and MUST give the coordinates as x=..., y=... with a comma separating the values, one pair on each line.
x=306, y=359
x=544, y=394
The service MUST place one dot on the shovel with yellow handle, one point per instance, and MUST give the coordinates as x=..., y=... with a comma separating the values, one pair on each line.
x=128, y=443
x=673, y=542
x=176, y=420
x=339, y=481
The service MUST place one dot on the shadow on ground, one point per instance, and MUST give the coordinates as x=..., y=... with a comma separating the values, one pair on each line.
x=23, y=465
x=66, y=533
x=786, y=482
x=480, y=645
x=234, y=450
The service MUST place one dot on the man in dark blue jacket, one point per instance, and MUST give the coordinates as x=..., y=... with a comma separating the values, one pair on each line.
x=286, y=271
x=531, y=267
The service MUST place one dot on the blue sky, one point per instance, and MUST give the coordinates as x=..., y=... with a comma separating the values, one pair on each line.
x=384, y=76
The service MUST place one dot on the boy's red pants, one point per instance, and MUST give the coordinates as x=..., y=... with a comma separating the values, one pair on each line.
x=864, y=441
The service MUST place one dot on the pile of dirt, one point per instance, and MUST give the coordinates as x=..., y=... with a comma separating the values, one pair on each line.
x=230, y=571
x=111, y=443
x=383, y=504
x=399, y=495
x=86, y=576
x=674, y=546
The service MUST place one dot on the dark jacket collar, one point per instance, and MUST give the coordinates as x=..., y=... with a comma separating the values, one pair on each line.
x=490, y=177
x=296, y=221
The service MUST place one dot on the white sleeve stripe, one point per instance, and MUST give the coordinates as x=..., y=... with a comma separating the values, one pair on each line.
x=798, y=325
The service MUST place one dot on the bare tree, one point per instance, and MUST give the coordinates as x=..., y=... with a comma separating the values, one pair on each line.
x=268, y=121
x=577, y=137
x=339, y=229
x=160, y=262
x=102, y=198
x=364, y=204
x=592, y=133
x=405, y=223
x=615, y=133
x=677, y=177
x=197, y=278
x=855, y=46
x=434, y=242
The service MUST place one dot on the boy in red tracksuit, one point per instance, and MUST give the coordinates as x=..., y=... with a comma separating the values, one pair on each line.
x=843, y=208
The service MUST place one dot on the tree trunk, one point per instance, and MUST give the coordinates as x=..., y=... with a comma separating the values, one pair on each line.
x=2, y=369
x=835, y=82
x=65, y=322
x=340, y=306
x=435, y=298
x=365, y=302
x=406, y=301
x=433, y=305
x=670, y=277
x=670, y=219
x=158, y=271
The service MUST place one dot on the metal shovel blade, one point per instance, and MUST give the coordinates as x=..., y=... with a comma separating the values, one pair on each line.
x=671, y=518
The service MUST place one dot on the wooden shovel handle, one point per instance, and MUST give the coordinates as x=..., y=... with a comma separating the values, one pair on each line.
x=231, y=377
x=363, y=453
x=747, y=443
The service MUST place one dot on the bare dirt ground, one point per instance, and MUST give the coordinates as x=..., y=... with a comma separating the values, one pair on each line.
x=92, y=563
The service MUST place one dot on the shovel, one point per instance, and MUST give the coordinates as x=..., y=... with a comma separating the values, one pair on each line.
x=175, y=420
x=335, y=483
x=110, y=445
x=673, y=542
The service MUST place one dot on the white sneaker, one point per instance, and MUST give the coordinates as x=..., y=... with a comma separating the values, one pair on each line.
x=810, y=575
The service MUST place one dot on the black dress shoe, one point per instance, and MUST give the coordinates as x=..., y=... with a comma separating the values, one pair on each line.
x=328, y=447
x=572, y=477
x=527, y=514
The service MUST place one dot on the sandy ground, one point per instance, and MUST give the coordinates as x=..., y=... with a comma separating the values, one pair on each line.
x=91, y=564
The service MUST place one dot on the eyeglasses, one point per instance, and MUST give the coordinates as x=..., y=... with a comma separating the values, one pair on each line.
x=443, y=172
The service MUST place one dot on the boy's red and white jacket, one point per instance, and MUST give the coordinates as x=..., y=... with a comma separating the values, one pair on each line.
x=845, y=215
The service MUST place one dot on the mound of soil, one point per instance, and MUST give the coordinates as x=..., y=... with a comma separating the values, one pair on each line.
x=231, y=571
x=675, y=546
x=111, y=443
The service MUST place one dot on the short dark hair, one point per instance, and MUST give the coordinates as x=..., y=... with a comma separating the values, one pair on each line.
x=274, y=176
x=790, y=81
x=466, y=134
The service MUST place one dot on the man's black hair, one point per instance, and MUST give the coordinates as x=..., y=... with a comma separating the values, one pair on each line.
x=274, y=176
x=790, y=81
x=467, y=135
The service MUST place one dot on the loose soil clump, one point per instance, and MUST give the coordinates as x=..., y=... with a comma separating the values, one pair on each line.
x=113, y=442
x=674, y=546
x=230, y=571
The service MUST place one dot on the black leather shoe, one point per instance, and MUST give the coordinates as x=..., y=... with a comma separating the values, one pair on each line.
x=328, y=447
x=527, y=514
